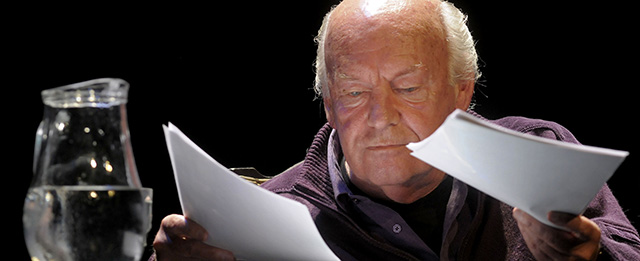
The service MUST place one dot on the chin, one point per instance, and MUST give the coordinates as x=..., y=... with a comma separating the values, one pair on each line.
x=398, y=172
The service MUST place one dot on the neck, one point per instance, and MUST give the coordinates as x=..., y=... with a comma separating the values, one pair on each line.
x=409, y=191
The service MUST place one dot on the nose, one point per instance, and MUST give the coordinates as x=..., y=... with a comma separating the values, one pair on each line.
x=383, y=109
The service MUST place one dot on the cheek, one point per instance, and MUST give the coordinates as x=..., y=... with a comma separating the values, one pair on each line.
x=345, y=117
x=351, y=126
x=426, y=117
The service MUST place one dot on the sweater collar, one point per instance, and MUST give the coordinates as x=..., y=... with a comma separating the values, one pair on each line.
x=334, y=160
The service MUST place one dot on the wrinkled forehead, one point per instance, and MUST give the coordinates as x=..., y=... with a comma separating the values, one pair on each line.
x=360, y=24
x=398, y=30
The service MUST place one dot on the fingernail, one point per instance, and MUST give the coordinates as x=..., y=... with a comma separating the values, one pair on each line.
x=519, y=216
x=517, y=213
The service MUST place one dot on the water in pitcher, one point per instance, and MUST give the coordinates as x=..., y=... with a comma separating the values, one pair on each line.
x=87, y=222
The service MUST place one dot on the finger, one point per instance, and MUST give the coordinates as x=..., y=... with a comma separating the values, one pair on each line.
x=549, y=252
x=195, y=230
x=561, y=240
x=586, y=233
x=533, y=242
x=187, y=249
x=164, y=248
x=177, y=226
x=582, y=227
x=550, y=241
x=199, y=250
x=582, y=241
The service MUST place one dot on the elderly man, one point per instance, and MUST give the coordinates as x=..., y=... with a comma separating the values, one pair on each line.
x=389, y=73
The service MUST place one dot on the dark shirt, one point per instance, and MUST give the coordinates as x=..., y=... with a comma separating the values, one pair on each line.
x=424, y=216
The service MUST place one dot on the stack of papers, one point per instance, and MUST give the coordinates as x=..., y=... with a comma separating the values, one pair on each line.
x=251, y=222
x=535, y=174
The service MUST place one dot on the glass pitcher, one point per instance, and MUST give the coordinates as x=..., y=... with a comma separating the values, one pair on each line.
x=85, y=201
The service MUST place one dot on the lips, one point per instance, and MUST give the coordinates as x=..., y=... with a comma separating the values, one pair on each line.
x=387, y=146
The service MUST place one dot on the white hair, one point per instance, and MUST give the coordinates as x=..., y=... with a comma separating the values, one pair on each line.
x=463, y=59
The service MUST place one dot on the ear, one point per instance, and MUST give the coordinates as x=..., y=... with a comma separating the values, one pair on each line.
x=464, y=91
x=328, y=110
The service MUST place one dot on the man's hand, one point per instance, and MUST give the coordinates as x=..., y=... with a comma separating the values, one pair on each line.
x=180, y=238
x=548, y=243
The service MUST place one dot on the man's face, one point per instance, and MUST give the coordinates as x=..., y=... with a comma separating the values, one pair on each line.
x=387, y=88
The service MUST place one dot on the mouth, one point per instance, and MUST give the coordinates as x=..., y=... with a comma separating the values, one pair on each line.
x=386, y=147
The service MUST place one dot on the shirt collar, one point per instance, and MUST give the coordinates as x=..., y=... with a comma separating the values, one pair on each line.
x=334, y=158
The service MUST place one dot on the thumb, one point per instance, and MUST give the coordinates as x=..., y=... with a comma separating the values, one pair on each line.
x=580, y=226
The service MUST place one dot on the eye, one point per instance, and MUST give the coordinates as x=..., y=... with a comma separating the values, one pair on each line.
x=352, y=98
x=413, y=94
x=409, y=90
x=355, y=93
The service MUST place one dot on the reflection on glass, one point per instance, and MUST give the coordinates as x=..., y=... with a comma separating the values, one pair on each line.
x=86, y=201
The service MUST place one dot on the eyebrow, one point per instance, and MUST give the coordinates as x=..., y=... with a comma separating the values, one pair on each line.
x=408, y=70
x=345, y=76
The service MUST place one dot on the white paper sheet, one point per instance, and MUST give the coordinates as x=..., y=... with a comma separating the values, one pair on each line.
x=532, y=173
x=253, y=223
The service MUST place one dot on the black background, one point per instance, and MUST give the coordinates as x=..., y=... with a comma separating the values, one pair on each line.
x=237, y=79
